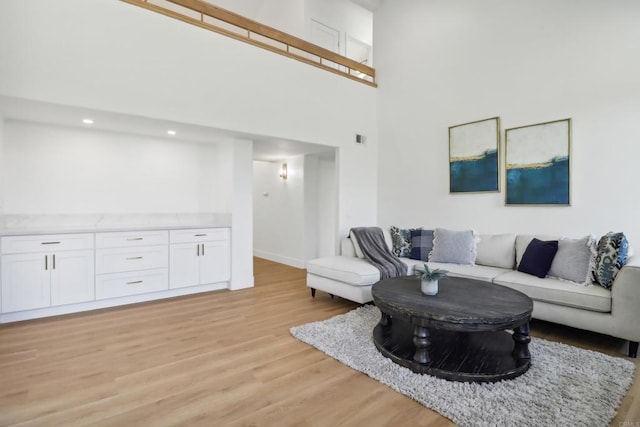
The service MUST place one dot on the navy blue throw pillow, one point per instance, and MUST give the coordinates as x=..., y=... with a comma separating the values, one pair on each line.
x=538, y=256
x=421, y=244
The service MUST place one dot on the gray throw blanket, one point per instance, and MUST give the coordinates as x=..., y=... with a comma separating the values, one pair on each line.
x=376, y=251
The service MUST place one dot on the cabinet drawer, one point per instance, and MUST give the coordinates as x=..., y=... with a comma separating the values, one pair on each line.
x=198, y=235
x=46, y=243
x=126, y=239
x=133, y=283
x=116, y=260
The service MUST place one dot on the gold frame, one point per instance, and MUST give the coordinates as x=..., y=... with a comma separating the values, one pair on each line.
x=569, y=166
x=498, y=155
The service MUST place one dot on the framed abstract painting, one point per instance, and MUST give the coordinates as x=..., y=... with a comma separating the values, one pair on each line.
x=473, y=157
x=537, y=164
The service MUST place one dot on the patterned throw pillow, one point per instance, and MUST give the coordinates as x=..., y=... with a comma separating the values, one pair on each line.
x=421, y=244
x=611, y=255
x=401, y=241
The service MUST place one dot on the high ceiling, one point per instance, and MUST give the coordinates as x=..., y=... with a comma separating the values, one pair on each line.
x=264, y=148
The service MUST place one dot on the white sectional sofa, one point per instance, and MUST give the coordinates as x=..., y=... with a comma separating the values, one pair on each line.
x=592, y=307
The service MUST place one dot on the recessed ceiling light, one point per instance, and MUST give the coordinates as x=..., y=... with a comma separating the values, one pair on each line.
x=171, y=132
x=87, y=121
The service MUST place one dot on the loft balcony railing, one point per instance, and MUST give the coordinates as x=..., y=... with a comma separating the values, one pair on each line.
x=213, y=18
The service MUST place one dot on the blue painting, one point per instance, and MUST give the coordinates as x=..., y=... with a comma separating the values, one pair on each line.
x=473, y=156
x=538, y=164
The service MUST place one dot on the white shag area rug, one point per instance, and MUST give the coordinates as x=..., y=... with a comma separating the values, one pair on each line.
x=565, y=386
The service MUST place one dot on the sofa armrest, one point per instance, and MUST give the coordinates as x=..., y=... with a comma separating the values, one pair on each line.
x=346, y=248
x=625, y=299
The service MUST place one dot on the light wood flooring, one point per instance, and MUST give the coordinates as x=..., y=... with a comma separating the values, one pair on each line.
x=216, y=359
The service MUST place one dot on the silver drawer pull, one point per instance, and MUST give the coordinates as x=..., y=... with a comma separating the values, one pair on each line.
x=134, y=283
x=134, y=238
x=134, y=257
x=200, y=235
x=50, y=243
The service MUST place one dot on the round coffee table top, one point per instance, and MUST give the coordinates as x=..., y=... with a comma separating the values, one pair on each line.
x=460, y=304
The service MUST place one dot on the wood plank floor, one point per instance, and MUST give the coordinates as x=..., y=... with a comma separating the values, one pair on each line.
x=221, y=358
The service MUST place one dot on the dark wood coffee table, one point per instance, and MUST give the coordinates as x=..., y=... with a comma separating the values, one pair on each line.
x=458, y=334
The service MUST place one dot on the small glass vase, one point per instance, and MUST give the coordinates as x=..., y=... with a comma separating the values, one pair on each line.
x=429, y=287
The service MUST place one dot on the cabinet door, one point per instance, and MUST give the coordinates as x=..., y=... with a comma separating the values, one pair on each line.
x=25, y=282
x=184, y=265
x=72, y=278
x=214, y=262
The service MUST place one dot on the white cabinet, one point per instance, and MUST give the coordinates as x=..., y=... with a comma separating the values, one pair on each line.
x=48, y=270
x=131, y=263
x=72, y=277
x=199, y=257
x=25, y=282
x=44, y=275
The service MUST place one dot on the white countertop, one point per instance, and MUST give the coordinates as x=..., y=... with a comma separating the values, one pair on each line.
x=16, y=225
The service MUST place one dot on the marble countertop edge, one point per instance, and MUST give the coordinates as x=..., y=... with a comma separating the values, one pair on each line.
x=103, y=229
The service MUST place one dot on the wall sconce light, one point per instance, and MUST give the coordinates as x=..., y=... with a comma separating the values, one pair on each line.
x=283, y=171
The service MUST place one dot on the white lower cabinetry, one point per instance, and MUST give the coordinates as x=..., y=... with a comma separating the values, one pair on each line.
x=199, y=257
x=131, y=283
x=125, y=265
x=45, y=275
x=25, y=282
x=72, y=277
x=45, y=271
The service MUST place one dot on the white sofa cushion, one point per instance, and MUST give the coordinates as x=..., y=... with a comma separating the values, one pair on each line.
x=351, y=270
x=356, y=244
x=478, y=272
x=497, y=250
x=347, y=249
x=523, y=240
x=412, y=264
x=593, y=298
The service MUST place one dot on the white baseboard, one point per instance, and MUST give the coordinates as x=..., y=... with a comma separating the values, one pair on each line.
x=293, y=262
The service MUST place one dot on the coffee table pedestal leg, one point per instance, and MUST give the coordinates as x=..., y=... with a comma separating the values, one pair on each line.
x=385, y=320
x=521, y=340
x=422, y=343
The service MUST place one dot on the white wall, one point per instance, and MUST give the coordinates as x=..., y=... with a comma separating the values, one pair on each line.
x=283, y=15
x=1, y=162
x=279, y=214
x=343, y=15
x=295, y=219
x=241, y=213
x=442, y=63
x=294, y=16
x=58, y=170
x=327, y=212
x=311, y=205
x=134, y=61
